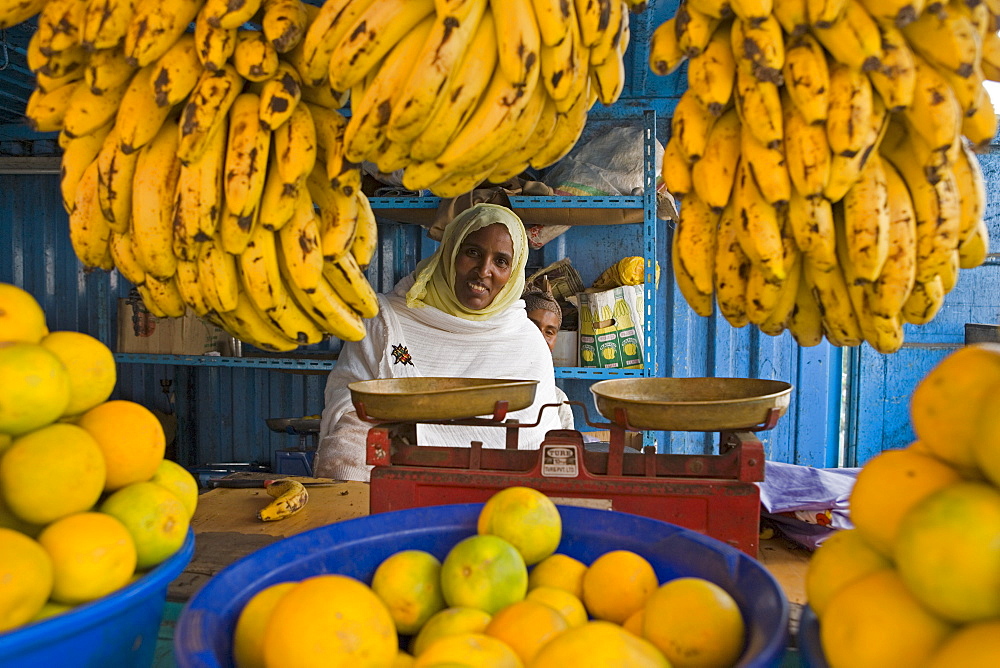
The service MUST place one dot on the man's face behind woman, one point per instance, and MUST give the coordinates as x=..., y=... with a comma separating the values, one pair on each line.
x=483, y=266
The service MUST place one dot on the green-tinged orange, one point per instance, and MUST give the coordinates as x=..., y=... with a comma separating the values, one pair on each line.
x=34, y=388
x=25, y=579
x=484, y=572
x=525, y=518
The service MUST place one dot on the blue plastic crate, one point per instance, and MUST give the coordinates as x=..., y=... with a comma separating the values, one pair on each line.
x=356, y=547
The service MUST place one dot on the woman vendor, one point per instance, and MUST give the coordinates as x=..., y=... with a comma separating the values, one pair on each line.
x=459, y=315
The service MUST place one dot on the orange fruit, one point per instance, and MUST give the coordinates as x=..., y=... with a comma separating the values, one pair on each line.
x=157, y=521
x=131, y=438
x=525, y=518
x=888, y=486
x=694, y=622
x=25, y=579
x=946, y=404
x=985, y=447
x=91, y=368
x=21, y=317
x=840, y=560
x=597, y=644
x=8, y=520
x=52, y=472
x=526, y=626
x=948, y=552
x=330, y=621
x=179, y=481
x=449, y=622
x=972, y=646
x=248, y=638
x=559, y=571
x=563, y=602
x=469, y=650
x=34, y=388
x=403, y=660
x=484, y=572
x=409, y=583
x=635, y=621
x=92, y=556
x=876, y=622
x=617, y=584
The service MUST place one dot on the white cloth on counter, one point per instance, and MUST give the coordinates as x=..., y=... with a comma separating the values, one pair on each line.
x=403, y=342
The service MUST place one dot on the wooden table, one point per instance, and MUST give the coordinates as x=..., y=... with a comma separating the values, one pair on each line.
x=227, y=529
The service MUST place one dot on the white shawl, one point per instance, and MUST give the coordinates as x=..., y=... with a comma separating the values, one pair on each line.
x=505, y=346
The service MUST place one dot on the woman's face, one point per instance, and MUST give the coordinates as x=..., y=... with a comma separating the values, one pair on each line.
x=548, y=324
x=483, y=266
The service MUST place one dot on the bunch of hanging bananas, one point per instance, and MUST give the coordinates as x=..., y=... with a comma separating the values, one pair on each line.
x=824, y=154
x=203, y=167
x=456, y=92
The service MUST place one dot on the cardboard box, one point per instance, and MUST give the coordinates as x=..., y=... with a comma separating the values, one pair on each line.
x=142, y=332
x=611, y=328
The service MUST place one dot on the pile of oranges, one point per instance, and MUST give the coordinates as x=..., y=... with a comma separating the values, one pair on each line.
x=87, y=500
x=917, y=581
x=503, y=597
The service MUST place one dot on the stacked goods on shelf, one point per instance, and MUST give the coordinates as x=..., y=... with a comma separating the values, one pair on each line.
x=192, y=161
x=87, y=500
x=917, y=581
x=824, y=153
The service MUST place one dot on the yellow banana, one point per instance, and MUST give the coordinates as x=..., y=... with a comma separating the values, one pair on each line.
x=371, y=117
x=610, y=39
x=124, y=258
x=981, y=127
x=235, y=229
x=279, y=199
x=732, y=266
x=77, y=155
x=189, y=287
x=214, y=45
x=199, y=198
x=246, y=156
x=972, y=250
x=758, y=227
x=764, y=293
x=852, y=39
x=665, y=52
x=971, y=192
x=676, y=169
x=780, y=315
x=166, y=295
x=759, y=105
x=325, y=307
x=290, y=497
x=218, y=276
x=206, y=110
x=176, y=72
x=47, y=84
x=793, y=15
x=230, y=14
x=105, y=23
x=295, y=145
x=991, y=56
x=594, y=17
x=720, y=9
x=691, y=125
x=155, y=26
x=284, y=23
x=768, y=168
x=325, y=32
x=845, y=170
x=888, y=293
x=553, y=19
x=807, y=77
x=338, y=215
x=300, y=248
x=524, y=126
x=459, y=183
x=518, y=160
x=293, y=322
x=883, y=334
x=89, y=233
x=12, y=13
x=115, y=171
x=323, y=95
x=569, y=126
x=901, y=143
x=564, y=64
x=153, y=187
x=465, y=88
x=896, y=78
x=259, y=270
x=947, y=39
x=696, y=241
x=343, y=173
x=752, y=10
x=254, y=57
x=46, y=111
x=247, y=324
x=713, y=174
x=139, y=117
x=848, y=120
x=811, y=223
x=279, y=96
x=761, y=46
x=148, y=302
x=518, y=39
x=805, y=321
x=60, y=24
x=366, y=233
x=867, y=219
x=712, y=72
x=694, y=30
x=608, y=79
x=700, y=302
x=823, y=13
x=924, y=302
x=807, y=152
x=949, y=273
x=106, y=70
x=88, y=111
x=829, y=289
x=350, y=282
x=896, y=12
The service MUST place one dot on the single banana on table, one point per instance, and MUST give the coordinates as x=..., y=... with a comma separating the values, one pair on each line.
x=290, y=496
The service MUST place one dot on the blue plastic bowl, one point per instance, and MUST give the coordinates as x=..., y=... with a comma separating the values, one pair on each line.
x=808, y=641
x=203, y=636
x=118, y=630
